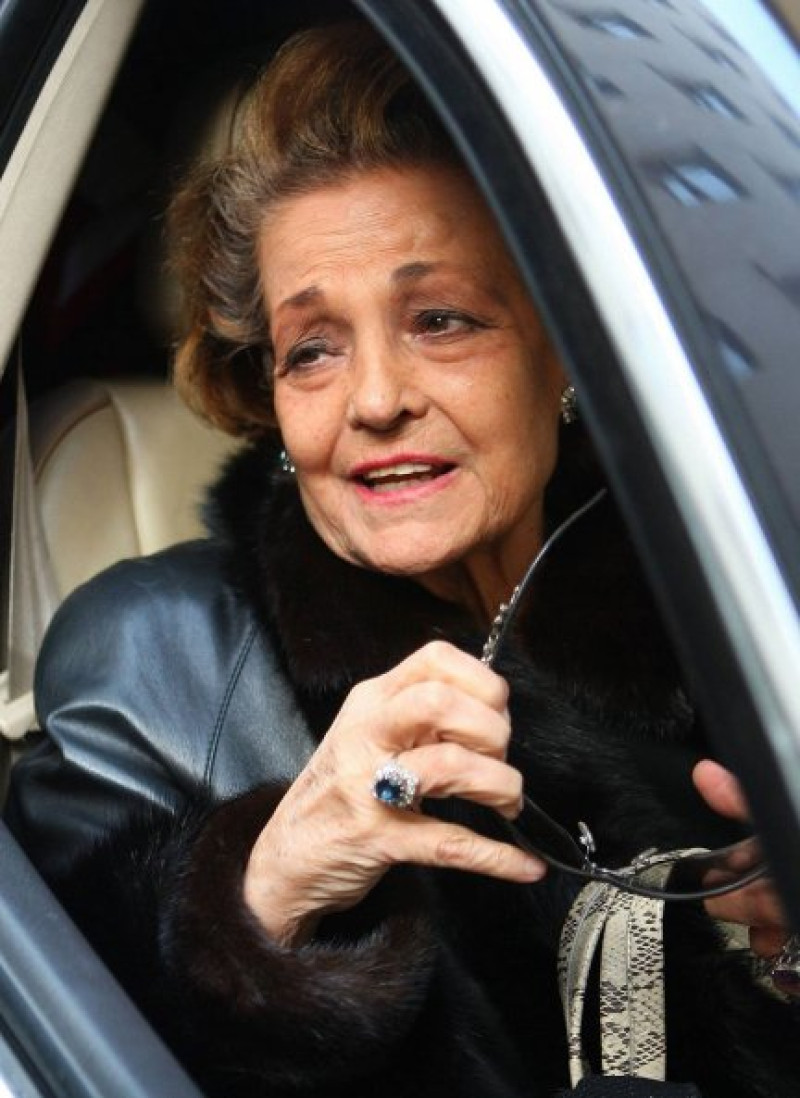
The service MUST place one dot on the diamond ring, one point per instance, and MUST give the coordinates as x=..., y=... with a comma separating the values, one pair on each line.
x=395, y=785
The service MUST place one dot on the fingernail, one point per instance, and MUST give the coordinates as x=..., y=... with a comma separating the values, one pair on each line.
x=534, y=869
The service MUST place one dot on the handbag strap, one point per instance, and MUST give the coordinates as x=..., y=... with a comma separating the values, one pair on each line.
x=632, y=989
x=629, y=931
x=580, y=937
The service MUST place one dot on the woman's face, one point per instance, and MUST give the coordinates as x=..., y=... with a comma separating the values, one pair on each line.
x=414, y=387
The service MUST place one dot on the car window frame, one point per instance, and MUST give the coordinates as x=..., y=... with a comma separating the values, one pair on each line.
x=41, y=170
x=72, y=1023
x=32, y=34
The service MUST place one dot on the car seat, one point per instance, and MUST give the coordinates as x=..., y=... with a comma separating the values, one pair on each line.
x=119, y=467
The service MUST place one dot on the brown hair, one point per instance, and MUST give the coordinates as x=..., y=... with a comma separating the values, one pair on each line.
x=333, y=101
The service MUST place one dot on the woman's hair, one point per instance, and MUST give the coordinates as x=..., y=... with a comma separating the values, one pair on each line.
x=333, y=102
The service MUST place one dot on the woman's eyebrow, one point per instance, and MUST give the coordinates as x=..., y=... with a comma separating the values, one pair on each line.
x=301, y=298
x=414, y=270
x=410, y=272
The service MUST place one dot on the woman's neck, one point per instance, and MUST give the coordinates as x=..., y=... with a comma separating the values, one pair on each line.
x=485, y=577
x=480, y=590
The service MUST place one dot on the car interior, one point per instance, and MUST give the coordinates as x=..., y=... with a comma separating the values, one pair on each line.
x=103, y=460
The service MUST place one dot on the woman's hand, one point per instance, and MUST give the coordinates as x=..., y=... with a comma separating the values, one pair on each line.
x=444, y=715
x=757, y=905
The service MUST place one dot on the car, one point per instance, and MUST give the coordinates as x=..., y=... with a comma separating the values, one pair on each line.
x=643, y=160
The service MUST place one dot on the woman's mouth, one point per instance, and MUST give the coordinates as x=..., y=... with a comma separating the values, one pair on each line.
x=406, y=474
x=401, y=480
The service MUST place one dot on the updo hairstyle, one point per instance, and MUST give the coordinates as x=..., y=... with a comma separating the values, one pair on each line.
x=333, y=102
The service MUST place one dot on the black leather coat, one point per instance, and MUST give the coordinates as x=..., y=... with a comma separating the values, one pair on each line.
x=181, y=694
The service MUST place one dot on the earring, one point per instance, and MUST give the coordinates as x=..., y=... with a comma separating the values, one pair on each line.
x=569, y=405
x=286, y=463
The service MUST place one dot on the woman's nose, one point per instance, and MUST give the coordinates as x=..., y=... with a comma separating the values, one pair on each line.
x=383, y=389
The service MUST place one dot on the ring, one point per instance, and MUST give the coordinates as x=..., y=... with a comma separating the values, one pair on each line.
x=785, y=970
x=395, y=785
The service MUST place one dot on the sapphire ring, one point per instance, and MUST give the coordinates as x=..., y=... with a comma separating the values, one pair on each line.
x=395, y=785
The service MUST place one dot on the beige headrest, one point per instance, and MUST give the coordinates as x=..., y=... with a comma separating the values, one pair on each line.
x=121, y=469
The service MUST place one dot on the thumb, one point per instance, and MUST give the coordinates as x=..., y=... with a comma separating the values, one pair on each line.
x=720, y=790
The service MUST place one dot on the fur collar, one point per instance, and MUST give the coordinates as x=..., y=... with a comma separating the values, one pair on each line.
x=590, y=625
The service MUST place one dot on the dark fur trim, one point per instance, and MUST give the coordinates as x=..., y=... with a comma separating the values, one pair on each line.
x=378, y=995
x=590, y=622
x=325, y=613
x=367, y=976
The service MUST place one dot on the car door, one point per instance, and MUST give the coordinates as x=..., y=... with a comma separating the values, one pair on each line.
x=644, y=161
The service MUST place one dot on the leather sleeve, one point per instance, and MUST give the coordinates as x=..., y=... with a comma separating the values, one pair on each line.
x=118, y=804
x=123, y=725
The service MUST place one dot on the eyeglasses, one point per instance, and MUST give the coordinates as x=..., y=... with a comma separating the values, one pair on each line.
x=666, y=875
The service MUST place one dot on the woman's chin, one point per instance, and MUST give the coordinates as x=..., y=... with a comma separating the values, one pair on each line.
x=407, y=565
x=437, y=570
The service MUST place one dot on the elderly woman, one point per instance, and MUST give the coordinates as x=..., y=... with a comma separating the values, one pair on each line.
x=277, y=779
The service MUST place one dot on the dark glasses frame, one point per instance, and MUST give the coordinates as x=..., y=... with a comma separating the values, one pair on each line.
x=695, y=874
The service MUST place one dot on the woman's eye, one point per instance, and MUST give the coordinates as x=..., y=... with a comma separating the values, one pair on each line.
x=444, y=322
x=305, y=354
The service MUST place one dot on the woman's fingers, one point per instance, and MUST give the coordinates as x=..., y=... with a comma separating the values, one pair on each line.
x=757, y=905
x=768, y=941
x=423, y=840
x=442, y=662
x=720, y=790
x=330, y=840
x=431, y=712
x=450, y=770
x=328, y=844
x=438, y=693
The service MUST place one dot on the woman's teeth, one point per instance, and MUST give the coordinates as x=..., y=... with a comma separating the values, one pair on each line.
x=400, y=476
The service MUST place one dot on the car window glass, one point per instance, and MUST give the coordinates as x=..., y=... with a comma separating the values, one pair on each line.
x=710, y=132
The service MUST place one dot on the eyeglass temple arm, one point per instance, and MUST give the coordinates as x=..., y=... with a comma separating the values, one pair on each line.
x=566, y=852
x=527, y=579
